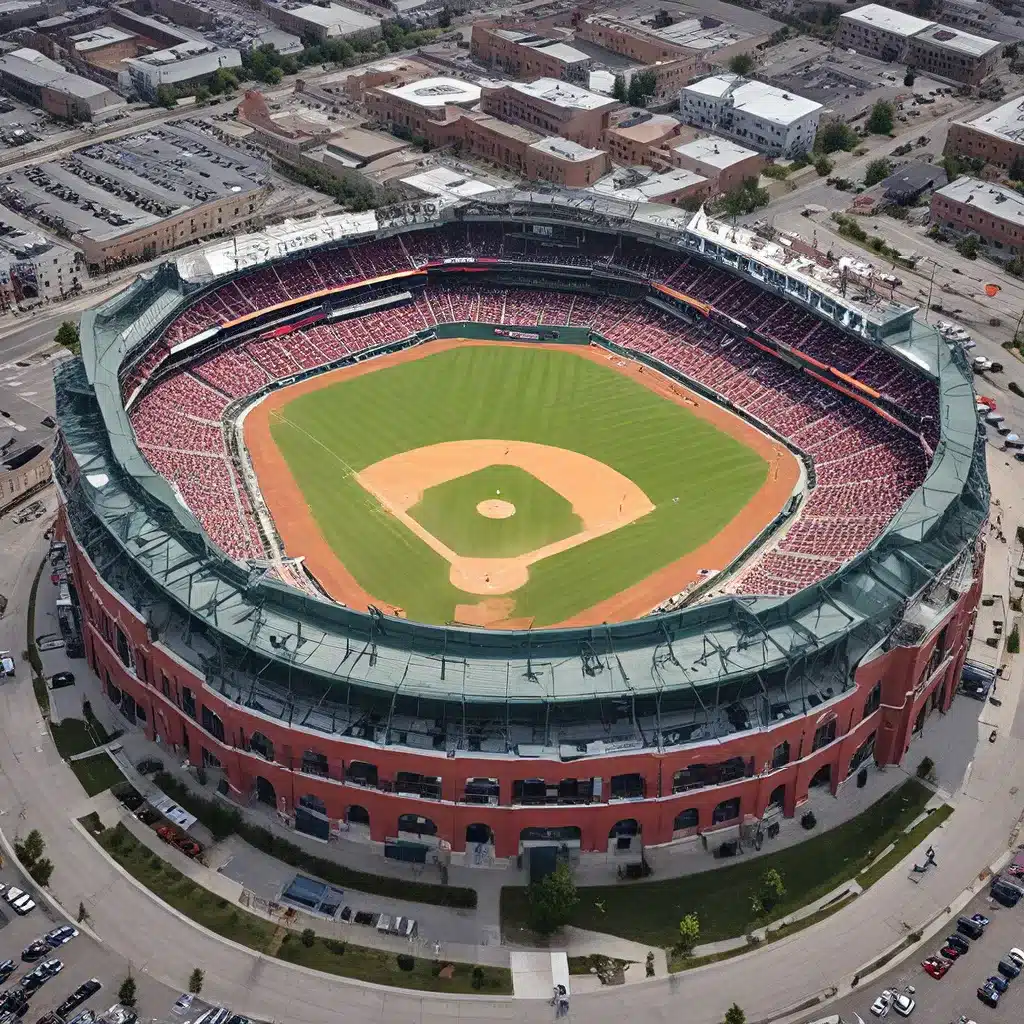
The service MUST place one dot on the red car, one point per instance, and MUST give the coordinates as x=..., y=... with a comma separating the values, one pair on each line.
x=935, y=966
x=949, y=952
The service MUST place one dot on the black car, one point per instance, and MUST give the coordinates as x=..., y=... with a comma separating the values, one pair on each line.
x=60, y=679
x=1009, y=969
x=12, y=1000
x=959, y=943
x=1008, y=896
x=7, y=968
x=79, y=996
x=41, y=975
x=36, y=951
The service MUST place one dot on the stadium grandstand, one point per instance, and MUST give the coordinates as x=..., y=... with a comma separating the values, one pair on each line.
x=820, y=650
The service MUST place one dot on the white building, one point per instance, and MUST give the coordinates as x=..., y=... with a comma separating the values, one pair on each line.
x=770, y=120
x=181, y=67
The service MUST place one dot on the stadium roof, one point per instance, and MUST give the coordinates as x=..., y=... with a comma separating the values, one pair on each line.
x=759, y=99
x=643, y=185
x=888, y=20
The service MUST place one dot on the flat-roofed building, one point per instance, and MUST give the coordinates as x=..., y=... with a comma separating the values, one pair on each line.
x=629, y=40
x=993, y=212
x=352, y=148
x=446, y=183
x=645, y=185
x=322, y=22
x=636, y=137
x=518, y=149
x=726, y=164
x=996, y=137
x=771, y=120
x=525, y=54
x=391, y=71
x=954, y=54
x=879, y=31
x=288, y=133
x=551, y=107
x=18, y=13
x=41, y=82
x=407, y=108
x=976, y=15
x=182, y=67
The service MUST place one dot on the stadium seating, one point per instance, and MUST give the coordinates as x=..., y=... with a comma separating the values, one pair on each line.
x=865, y=466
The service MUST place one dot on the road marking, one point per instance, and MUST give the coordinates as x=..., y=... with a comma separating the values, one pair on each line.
x=27, y=394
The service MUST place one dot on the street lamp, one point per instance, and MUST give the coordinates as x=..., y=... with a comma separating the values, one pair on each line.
x=931, y=283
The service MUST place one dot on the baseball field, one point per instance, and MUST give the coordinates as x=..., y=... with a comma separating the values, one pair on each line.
x=510, y=485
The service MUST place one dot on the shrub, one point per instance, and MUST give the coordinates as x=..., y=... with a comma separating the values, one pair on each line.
x=1013, y=640
x=478, y=977
x=195, y=981
x=925, y=768
x=689, y=934
x=405, y=962
x=968, y=247
x=126, y=993
x=876, y=171
x=808, y=821
x=883, y=116
x=308, y=937
x=777, y=171
x=823, y=166
x=335, y=946
x=41, y=871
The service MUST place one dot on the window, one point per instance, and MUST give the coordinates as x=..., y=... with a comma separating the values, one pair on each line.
x=212, y=724
x=824, y=734
x=123, y=651
x=726, y=811
x=780, y=755
x=165, y=685
x=690, y=818
x=874, y=700
x=314, y=763
x=188, y=701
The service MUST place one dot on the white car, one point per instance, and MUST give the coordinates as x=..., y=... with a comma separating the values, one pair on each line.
x=897, y=1001
x=1017, y=955
x=19, y=900
x=183, y=1003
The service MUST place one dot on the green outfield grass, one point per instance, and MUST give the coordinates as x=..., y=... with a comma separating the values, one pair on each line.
x=542, y=516
x=512, y=393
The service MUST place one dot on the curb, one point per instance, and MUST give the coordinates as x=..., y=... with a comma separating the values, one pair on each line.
x=256, y=955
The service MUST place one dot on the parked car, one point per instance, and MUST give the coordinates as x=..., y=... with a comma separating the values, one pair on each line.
x=898, y=1001
x=1004, y=894
x=988, y=994
x=36, y=951
x=41, y=975
x=949, y=953
x=981, y=919
x=936, y=967
x=7, y=968
x=20, y=901
x=80, y=995
x=1017, y=956
x=972, y=929
x=182, y=1004
x=59, y=936
x=1009, y=968
x=958, y=942
x=61, y=679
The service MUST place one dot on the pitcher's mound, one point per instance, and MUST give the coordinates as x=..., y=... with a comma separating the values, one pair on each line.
x=495, y=508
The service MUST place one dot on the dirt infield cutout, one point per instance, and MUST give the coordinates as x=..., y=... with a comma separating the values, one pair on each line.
x=603, y=498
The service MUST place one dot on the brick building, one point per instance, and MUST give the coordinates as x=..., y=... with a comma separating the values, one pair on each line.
x=993, y=212
x=636, y=137
x=551, y=107
x=526, y=55
x=725, y=163
x=407, y=108
x=996, y=137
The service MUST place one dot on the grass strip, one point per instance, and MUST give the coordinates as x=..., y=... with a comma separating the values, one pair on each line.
x=32, y=652
x=224, y=821
x=649, y=912
x=903, y=846
x=97, y=773
x=329, y=955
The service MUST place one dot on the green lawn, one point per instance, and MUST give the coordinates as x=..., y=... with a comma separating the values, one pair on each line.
x=231, y=922
x=541, y=517
x=512, y=393
x=97, y=773
x=650, y=912
x=73, y=736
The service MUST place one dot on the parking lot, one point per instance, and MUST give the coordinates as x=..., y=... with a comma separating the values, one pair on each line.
x=20, y=124
x=945, y=1001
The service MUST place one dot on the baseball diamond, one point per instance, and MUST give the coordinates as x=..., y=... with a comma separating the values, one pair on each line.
x=610, y=481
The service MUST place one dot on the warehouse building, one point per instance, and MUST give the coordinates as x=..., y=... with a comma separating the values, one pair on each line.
x=182, y=67
x=40, y=82
x=996, y=137
x=322, y=21
x=526, y=55
x=993, y=212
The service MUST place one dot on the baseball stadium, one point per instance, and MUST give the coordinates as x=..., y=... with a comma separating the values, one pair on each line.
x=468, y=522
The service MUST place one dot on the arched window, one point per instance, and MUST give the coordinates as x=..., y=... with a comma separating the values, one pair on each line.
x=690, y=818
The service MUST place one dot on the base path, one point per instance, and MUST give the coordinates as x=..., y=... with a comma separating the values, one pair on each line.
x=301, y=535
x=603, y=498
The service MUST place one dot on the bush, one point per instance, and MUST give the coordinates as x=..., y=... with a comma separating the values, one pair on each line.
x=308, y=937
x=925, y=768
x=741, y=64
x=195, y=981
x=883, y=116
x=552, y=900
x=126, y=993
x=478, y=977
x=776, y=171
x=808, y=821
x=405, y=962
x=823, y=166
x=335, y=946
x=41, y=871
x=1013, y=640
x=968, y=247
x=876, y=171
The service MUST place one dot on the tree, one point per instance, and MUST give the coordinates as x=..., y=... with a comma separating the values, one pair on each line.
x=968, y=247
x=770, y=888
x=552, y=900
x=308, y=937
x=908, y=78
x=41, y=871
x=734, y=1015
x=1016, y=171
x=31, y=849
x=883, y=116
x=619, y=91
x=642, y=86
x=195, y=981
x=67, y=336
x=876, y=171
x=689, y=934
x=741, y=64
x=126, y=993
x=444, y=17
x=833, y=135
x=1010, y=50
x=83, y=914
x=166, y=97
x=823, y=166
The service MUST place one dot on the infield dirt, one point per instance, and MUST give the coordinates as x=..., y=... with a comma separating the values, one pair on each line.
x=301, y=535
